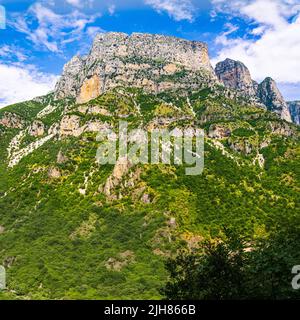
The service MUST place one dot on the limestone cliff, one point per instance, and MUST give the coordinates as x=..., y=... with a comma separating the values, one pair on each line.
x=235, y=75
x=270, y=96
x=153, y=62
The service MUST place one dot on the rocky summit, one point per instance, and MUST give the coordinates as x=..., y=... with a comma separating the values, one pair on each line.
x=159, y=63
x=270, y=96
x=235, y=75
x=72, y=227
x=153, y=62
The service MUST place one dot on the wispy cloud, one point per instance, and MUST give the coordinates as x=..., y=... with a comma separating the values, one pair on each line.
x=50, y=30
x=177, y=9
x=12, y=53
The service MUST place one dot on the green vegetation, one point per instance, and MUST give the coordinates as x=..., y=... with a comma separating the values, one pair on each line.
x=237, y=268
x=64, y=239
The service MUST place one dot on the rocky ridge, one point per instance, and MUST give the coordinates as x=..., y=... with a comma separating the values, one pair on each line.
x=160, y=63
x=235, y=75
x=153, y=62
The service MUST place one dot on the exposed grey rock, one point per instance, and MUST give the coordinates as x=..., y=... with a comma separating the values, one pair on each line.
x=283, y=129
x=242, y=146
x=294, y=107
x=146, y=198
x=120, y=170
x=67, y=85
x=140, y=60
x=270, y=96
x=70, y=126
x=235, y=75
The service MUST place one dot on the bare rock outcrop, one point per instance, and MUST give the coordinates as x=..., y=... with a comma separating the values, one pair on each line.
x=235, y=75
x=61, y=158
x=120, y=170
x=37, y=129
x=54, y=173
x=12, y=120
x=153, y=62
x=219, y=132
x=70, y=126
x=270, y=96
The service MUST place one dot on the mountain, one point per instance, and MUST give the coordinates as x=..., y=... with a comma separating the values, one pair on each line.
x=235, y=75
x=71, y=228
x=153, y=62
x=270, y=95
x=294, y=107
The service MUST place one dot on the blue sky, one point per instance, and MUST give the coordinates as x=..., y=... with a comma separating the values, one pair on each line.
x=41, y=36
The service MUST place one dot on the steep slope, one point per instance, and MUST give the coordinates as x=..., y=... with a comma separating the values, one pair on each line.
x=73, y=229
x=235, y=75
x=270, y=95
x=64, y=235
x=294, y=107
x=153, y=62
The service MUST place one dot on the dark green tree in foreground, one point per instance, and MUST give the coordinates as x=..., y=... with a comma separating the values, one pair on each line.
x=235, y=270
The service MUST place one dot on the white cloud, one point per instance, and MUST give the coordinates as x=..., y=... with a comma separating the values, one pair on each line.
x=51, y=30
x=80, y=3
x=12, y=52
x=272, y=47
x=75, y=3
x=177, y=9
x=20, y=83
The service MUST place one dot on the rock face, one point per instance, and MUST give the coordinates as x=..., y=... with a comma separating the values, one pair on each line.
x=70, y=126
x=61, y=158
x=11, y=120
x=294, y=107
x=37, y=129
x=218, y=132
x=90, y=89
x=67, y=83
x=270, y=96
x=121, y=168
x=159, y=63
x=235, y=75
x=153, y=62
